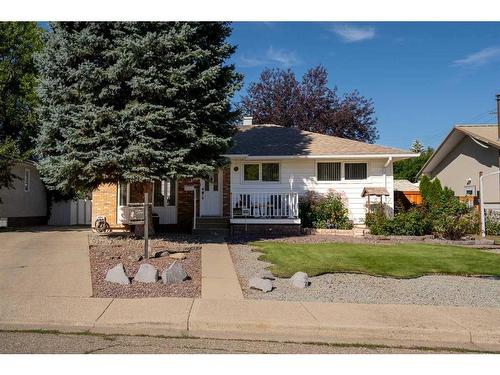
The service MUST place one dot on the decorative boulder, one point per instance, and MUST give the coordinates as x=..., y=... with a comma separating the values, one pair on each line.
x=265, y=274
x=260, y=284
x=117, y=275
x=300, y=280
x=147, y=273
x=174, y=273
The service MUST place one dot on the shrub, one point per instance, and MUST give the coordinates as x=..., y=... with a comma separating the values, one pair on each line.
x=441, y=214
x=412, y=222
x=492, y=223
x=324, y=211
x=455, y=227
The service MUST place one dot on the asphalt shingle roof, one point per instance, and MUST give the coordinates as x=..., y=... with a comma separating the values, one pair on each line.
x=275, y=140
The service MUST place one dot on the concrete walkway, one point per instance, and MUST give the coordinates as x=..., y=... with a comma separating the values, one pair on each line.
x=393, y=325
x=45, y=261
x=218, y=276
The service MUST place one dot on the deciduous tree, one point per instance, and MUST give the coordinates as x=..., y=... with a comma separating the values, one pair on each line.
x=18, y=100
x=310, y=105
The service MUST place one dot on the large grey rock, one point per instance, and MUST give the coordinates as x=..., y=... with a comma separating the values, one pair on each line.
x=300, y=280
x=174, y=274
x=260, y=284
x=265, y=274
x=117, y=275
x=147, y=273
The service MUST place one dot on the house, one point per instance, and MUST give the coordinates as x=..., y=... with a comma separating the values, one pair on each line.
x=269, y=167
x=466, y=153
x=26, y=203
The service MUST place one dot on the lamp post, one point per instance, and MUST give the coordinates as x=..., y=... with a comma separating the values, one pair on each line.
x=483, y=223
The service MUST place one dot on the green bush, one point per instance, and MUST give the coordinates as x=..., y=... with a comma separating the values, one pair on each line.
x=492, y=223
x=412, y=222
x=454, y=227
x=441, y=214
x=324, y=211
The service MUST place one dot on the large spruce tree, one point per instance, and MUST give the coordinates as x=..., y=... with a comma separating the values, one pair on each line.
x=123, y=101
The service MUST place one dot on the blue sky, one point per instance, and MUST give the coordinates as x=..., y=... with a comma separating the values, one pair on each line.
x=422, y=77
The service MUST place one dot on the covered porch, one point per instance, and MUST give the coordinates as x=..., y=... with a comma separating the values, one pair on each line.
x=264, y=208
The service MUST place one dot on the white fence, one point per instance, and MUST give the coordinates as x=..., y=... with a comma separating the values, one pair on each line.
x=72, y=212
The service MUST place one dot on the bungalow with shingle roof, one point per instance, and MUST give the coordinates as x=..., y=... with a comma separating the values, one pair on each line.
x=269, y=167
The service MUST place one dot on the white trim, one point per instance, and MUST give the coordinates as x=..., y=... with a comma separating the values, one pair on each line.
x=339, y=156
x=264, y=221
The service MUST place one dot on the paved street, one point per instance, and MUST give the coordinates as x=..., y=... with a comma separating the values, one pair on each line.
x=21, y=342
x=45, y=261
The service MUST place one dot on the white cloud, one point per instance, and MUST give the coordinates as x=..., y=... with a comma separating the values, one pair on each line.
x=482, y=57
x=272, y=56
x=280, y=56
x=250, y=62
x=352, y=33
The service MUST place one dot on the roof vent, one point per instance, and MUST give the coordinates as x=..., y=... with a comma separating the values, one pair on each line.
x=247, y=121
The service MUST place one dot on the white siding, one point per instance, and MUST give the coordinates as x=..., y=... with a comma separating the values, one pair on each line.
x=299, y=175
x=168, y=215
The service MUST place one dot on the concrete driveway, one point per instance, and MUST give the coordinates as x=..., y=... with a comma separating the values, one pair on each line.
x=45, y=261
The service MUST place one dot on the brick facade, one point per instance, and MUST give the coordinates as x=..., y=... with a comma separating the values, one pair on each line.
x=104, y=203
x=266, y=230
x=185, y=203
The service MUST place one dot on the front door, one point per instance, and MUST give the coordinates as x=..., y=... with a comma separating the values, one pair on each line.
x=211, y=197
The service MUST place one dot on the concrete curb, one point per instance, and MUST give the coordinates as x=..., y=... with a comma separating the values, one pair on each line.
x=392, y=325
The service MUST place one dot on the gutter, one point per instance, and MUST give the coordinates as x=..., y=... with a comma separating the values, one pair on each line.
x=334, y=156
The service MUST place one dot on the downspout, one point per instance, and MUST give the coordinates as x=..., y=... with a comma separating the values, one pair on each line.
x=387, y=163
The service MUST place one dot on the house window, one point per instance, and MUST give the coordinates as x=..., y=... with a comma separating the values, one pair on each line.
x=251, y=172
x=355, y=171
x=270, y=172
x=328, y=171
x=122, y=201
x=27, y=179
x=164, y=193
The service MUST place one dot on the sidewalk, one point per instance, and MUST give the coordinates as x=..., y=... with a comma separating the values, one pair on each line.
x=218, y=277
x=394, y=325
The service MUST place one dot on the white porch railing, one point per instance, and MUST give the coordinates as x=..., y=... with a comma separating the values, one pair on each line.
x=265, y=205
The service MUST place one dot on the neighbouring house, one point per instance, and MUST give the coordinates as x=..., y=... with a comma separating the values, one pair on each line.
x=406, y=194
x=26, y=203
x=269, y=167
x=468, y=152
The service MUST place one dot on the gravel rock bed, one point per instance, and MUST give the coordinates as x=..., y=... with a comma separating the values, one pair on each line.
x=357, y=288
x=106, y=252
x=369, y=239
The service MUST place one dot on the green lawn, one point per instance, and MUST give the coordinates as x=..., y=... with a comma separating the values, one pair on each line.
x=397, y=260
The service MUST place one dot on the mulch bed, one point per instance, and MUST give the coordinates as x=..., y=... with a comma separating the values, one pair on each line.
x=106, y=252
